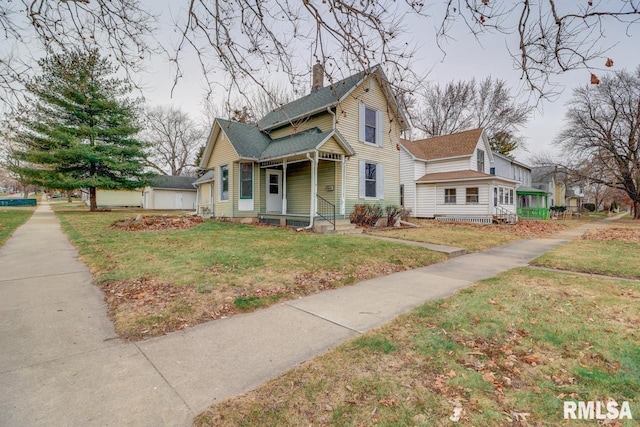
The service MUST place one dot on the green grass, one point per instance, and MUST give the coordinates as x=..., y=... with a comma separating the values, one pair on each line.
x=219, y=268
x=519, y=343
x=12, y=218
x=593, y=255
x=474, y=237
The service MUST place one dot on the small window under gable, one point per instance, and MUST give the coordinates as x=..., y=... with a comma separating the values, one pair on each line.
x=480, y=160
x=371, y=125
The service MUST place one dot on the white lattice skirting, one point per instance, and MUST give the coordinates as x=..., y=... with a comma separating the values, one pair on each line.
x=478, y=220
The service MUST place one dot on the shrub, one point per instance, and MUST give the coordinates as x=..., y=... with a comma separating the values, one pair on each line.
x=558, y=209
x=366, y=214
x=396, y=212
x=591, y=207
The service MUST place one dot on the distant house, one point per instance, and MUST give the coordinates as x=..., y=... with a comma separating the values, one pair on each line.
x=531, y=202
x=170, y=192
x=108, y=199
x=318, y=155
x=448, y=177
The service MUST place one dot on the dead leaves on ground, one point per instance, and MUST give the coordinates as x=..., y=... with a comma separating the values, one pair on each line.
x=621, y=234
x=523, y=228
x=156, y=222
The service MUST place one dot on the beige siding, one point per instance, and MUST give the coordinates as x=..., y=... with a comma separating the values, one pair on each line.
x=348, y=124
x=323, y=121
x=298, y=188
x=222, y=154
x=119, y=198
x=332, y=146
x=448, y=165
x=327, y=177
x=205, y=193
x=261, y=203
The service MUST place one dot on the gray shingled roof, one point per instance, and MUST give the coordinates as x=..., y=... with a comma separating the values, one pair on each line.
x=246, y=139
x=315, y=101
x=297, y=143
x=174, y=182
x=208, y=176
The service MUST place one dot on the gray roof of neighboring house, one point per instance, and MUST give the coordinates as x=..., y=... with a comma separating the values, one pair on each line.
x=208, y=176
x=173, y=182
x=316, y=101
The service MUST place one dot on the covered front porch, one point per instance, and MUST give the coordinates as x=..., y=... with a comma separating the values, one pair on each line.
x=302, y=188
x=532, y=203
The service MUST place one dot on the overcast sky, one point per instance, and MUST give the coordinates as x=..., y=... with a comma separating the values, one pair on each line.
x=465, y=59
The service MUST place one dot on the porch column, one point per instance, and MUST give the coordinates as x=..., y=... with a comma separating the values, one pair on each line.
x=197, y=199
x=343, y=185
x=284, y=187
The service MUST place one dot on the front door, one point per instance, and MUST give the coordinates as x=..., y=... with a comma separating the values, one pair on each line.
x=274, y=191
x=177, y=201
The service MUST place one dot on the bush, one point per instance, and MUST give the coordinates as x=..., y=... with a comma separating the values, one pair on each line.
x=366, y=214
x=591, y=207
x=393, y=213
x=558, y=209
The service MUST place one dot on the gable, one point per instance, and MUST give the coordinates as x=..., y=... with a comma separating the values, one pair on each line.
x=446, y=146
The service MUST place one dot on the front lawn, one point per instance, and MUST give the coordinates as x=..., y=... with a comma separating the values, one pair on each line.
x=475, y=237
x=159, y=281
x=12, y=218
x=506, y=351
x=611, y=250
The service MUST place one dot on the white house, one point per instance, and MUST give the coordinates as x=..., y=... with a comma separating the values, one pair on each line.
x=508, y=167
x=448, y=177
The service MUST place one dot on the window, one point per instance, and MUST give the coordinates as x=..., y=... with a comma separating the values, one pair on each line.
x=480, y=160
x=472, y=195
x=370, y=125
x=370, y=176
x=402, y=195
x=371, y=180
x=246, y=180
x=274, y=184
x=224, y=182
x=450, y=196
x=510, y=196
x=501, y=198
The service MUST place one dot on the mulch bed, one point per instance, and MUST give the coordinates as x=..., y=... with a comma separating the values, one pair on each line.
x=156, y=222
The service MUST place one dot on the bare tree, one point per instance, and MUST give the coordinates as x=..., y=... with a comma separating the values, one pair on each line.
x=249, y=39
x=603, y=130
x=467, y=105
x=172, y=140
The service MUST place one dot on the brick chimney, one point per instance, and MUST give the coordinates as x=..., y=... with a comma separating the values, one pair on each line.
x=318, y=77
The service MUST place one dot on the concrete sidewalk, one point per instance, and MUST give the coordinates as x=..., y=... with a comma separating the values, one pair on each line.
x=61, y=364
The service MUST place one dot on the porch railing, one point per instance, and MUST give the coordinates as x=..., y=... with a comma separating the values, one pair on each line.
x=541, y=213
x=326, y=210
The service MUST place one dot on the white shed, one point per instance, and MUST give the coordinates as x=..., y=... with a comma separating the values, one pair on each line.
x=170, y=192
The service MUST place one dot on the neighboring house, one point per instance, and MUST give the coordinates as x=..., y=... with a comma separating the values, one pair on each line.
x=531, y=202
x=449, y=177
x=106, y=199
x=328, y=151
x=550, y=180
x=574, y=197
x=170, y=192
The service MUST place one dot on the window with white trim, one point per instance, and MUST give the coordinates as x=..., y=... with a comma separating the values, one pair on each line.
x=472, y=195
x=371, y=180
x=450, y=196
x=224, y=182
x=501, y=198
x=510, y=196
x=246, y=180
x=370, y=125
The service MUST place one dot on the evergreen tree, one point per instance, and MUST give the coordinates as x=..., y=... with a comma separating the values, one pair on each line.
x=81, y=129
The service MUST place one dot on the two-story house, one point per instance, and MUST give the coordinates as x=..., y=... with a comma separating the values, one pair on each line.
x=531, y=202
x=448, y=177
x=325, y=152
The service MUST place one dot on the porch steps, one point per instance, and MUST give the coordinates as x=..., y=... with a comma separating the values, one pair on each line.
x=343, y=226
